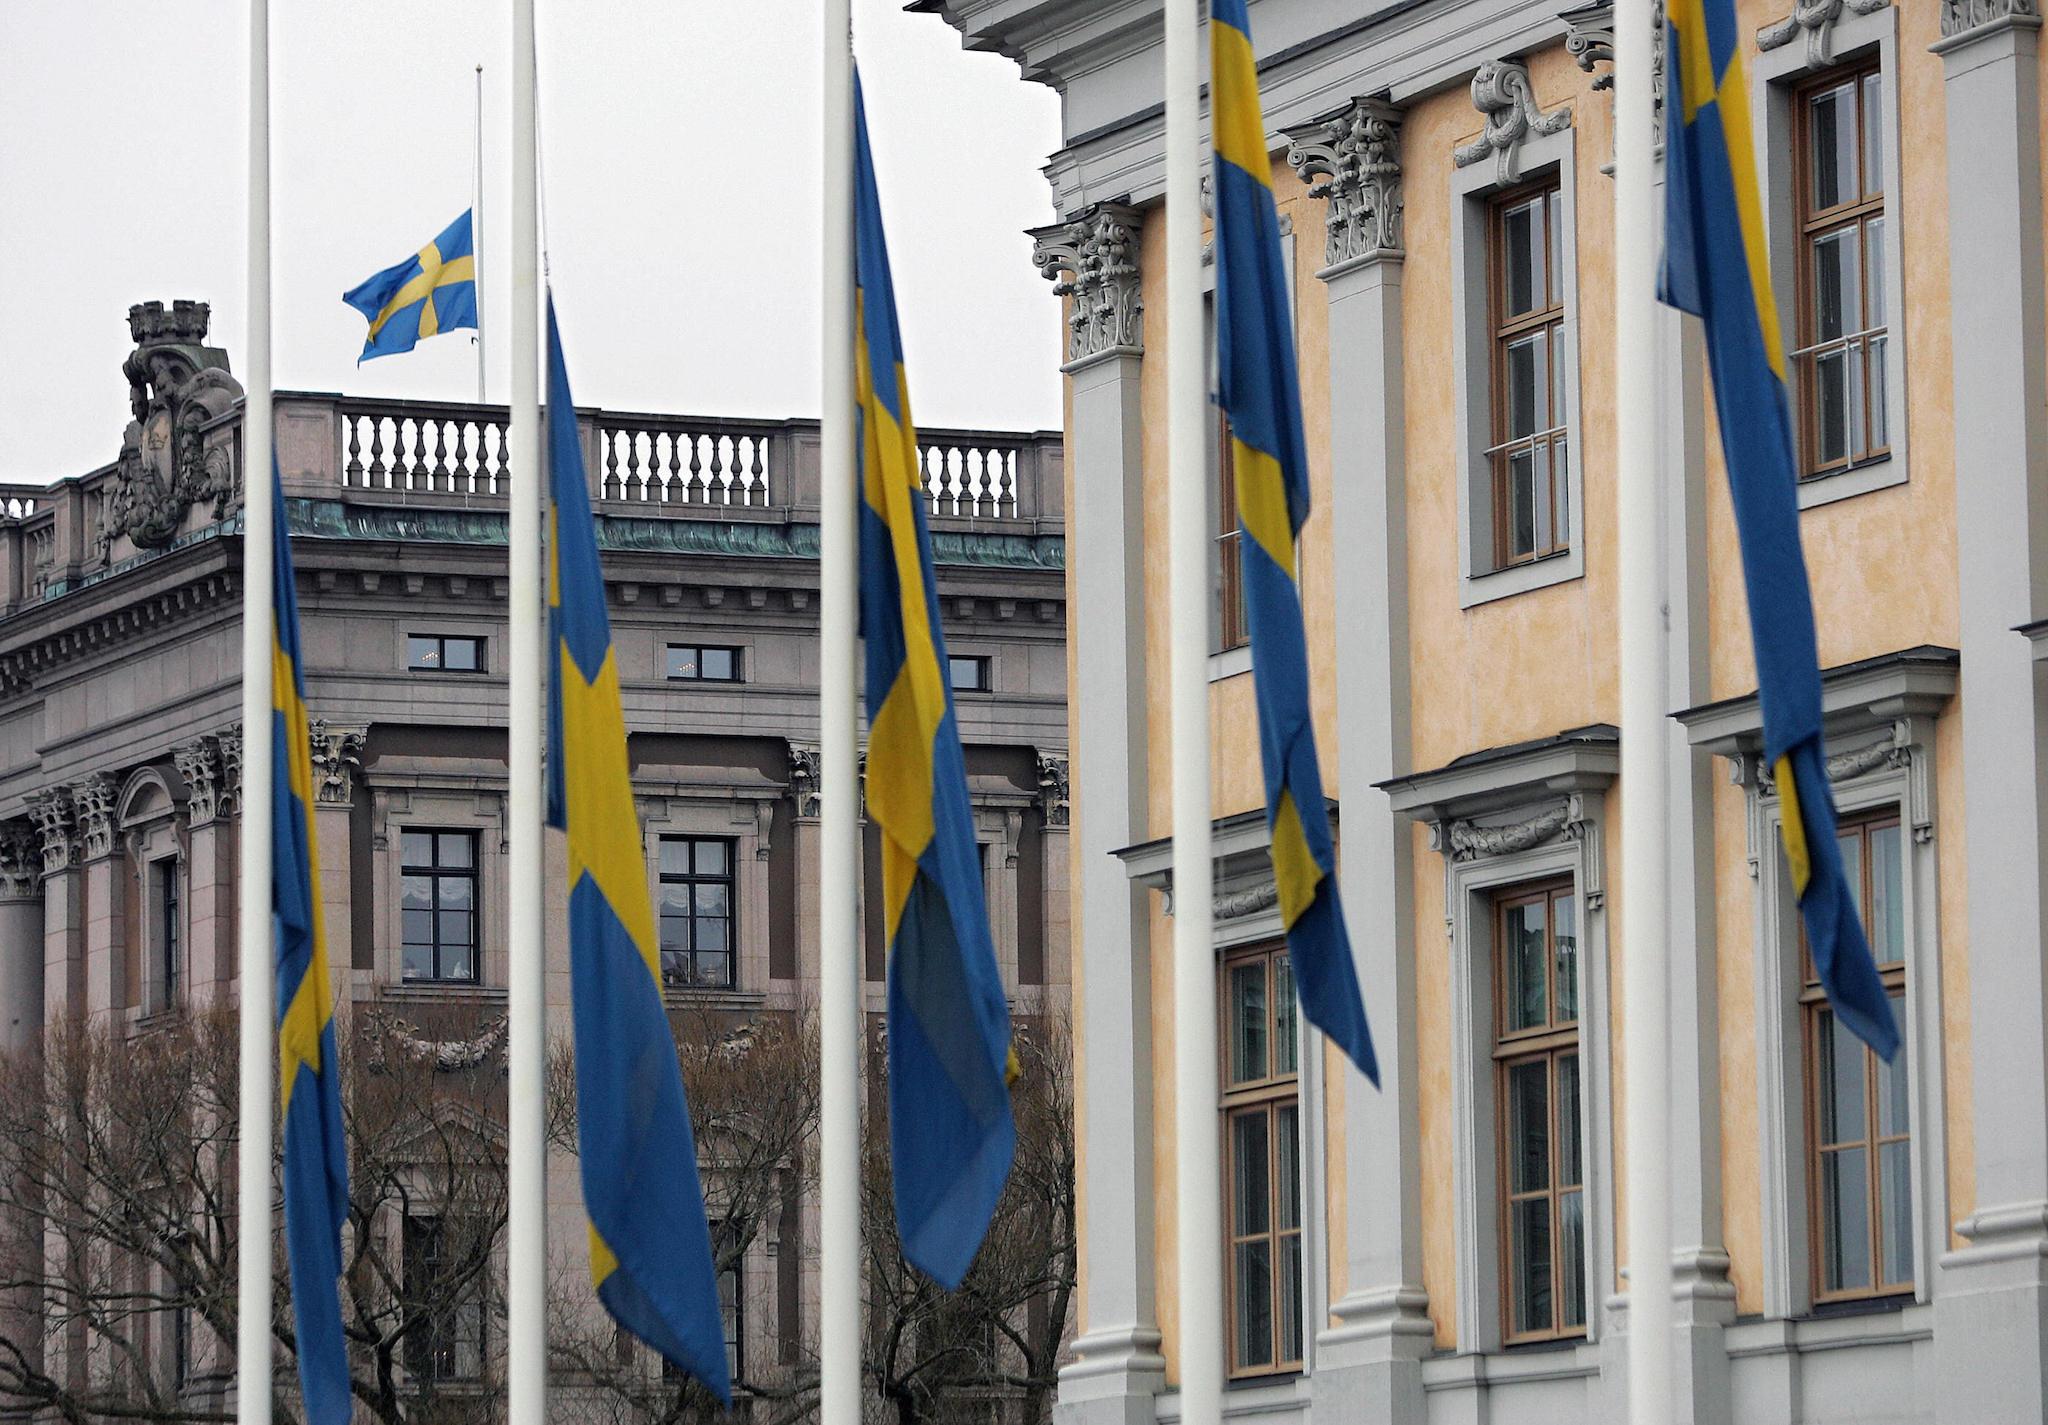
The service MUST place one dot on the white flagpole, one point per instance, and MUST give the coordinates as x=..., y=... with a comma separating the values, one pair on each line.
x=258, y=1034
x=476, y=236
x=527, y=1239
x=1644, y=792
x=839, y=591
x=1200, y=1181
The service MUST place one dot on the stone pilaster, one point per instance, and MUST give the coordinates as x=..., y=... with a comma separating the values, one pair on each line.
x=1991, y=1301
x=1117, y=1367
x=56, y=824
x=210, y=869
x=105, y=895
x=21, y=937
x=1369, y=1364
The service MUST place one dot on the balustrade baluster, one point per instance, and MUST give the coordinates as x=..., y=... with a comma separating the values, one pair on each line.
x=609, y=488
x=464, y=483
x=674, y=476
x=441, y=476
x=693, y=489
x=758, y=485
x=377, y=471
x=352, y=473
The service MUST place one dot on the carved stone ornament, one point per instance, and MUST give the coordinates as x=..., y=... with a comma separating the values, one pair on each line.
x=176, y=386
x=1235, y=905
x=1352, y=160
x=1589, y=40
x=337, y=760
x=1093, y=259
x=447, y=1055
x=1961, y=16
x=804, y=775
x=1816, y=20
x=230, y=800
x=1469, y=840
x=93, y=798
x=1501, y=90
x=57, y=823
x=1052, y=788
x=200, y=766
x=21, y=862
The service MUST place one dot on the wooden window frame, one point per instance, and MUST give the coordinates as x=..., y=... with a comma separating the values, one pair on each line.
x=692, y=878
x=1810, y=227
x=1233, y=620
x=1269, y=1095
x=436, y=873
x=1504, y=330
x=1812, y=1004
x=1549, y=1043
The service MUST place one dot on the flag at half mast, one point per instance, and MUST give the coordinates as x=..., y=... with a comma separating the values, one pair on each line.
x=1259, y=391
x=1715, y=267
x=650, y=1244
x=431, y=292
x=950, y=1132
x=309, y=1075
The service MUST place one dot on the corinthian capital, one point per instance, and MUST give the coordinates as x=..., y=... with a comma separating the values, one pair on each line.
x=93, y=797
x=1093, y=258
x=199, y=766
x=1352, y=160
x=21, y=862
x=57, y=823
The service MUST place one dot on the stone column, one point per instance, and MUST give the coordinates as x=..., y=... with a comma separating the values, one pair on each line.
x=106, y=897
x=21, y=938
x=210, y=871
x=1056, y=854
x=63, y=934
x=1093, y=260
x=1369, y=1364
x=1991, y=1301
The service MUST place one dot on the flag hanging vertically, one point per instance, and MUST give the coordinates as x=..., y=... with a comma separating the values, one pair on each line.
x=1258, y=389
x=309, y=1076
x=950, y=1131
x=650, y=1244
x=432, y=291
x=1715, y=267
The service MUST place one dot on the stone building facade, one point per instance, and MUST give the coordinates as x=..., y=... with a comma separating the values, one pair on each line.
x=120, y=749
x=1853, y=1242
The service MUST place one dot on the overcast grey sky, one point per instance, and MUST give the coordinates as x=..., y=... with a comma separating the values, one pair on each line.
x=681, y=188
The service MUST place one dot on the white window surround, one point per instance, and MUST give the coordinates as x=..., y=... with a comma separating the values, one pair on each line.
x=1778, y=72
x=1246, y=905
x=1472, y=357
x=1880, y=715
x=1502, y=818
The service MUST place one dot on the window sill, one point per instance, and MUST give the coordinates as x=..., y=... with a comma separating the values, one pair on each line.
x=677, y=997
x=1230, y=662
x=1505, y=583
x=1901, y=1321
x=1880, y=474
x=443, y=992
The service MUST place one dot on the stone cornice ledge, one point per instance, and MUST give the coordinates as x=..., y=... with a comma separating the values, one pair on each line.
x=1855, y=697
x=1580, y=759
x=1964, y=22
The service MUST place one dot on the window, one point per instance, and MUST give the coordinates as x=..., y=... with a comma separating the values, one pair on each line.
x=1262, y=1163
x=703, y=663
x=1528, y=455
x=181, y=1346
x=731, y=1315
x=697, y=944
x=443, y=653
x=438, y=897
x=169, y=950
x=1860, y=1166
x=1839, y=180
x=967, y=675
x=1233, y=627
x=1536, y=1054
x=445, y=1284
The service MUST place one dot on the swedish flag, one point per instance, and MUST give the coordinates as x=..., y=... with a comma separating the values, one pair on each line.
x=1258, y=389
x=1715, y=267
x=650, y=1245
x=432, y=291
x=309, y=1074
x=950, y=1131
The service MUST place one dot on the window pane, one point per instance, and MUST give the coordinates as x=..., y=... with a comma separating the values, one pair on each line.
x=1873, y=273
x=1831, y=406
x=1873, y=136
x=1837, y=284
x=422, y=652
x=419, y=960
x=1571, y=1256
x=1286, y=1052
x=1290, y=1297
x=457, y=892
x=1252, y=1210
x=1884, y=919
x=457, y=848
x=711, y=899
x=1287, y=1166
x=718, y=663
x=1526, y=953
x=966, y=674
x=714, y=933
x=682, y=662
x=1521, y=504
x=1522, y=257
x=1559, y=256
x=1895, y=1206
x=1850, y=841
x=1529, y=1127
x=416, y=848
x=1893, y=1103
x=1568, y=1168
x=1528, y=383
x=1831, y=148
x=1255, y=1303
x=1529, y=1263
x=416, y=893
x=419, y=927
x=458, y=655
x=714, y=970
x=711, y=858
x=675, y=856
x=458, y=961
x=1844, y=1220
x=1840, y=1055
x=1565, y=910
x=1248, y=1022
